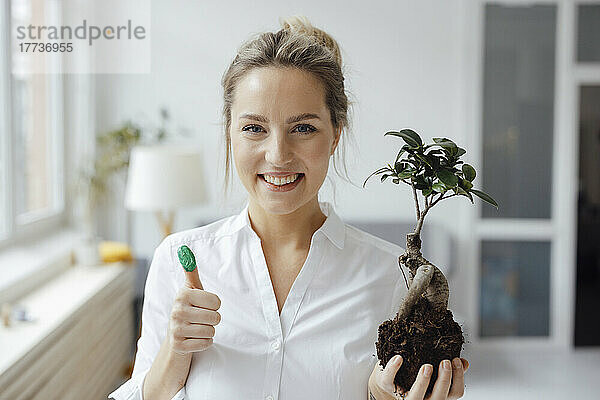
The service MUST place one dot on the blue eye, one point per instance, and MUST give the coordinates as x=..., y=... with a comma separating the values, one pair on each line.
x=251, y=127
x=309, y=127
x=304, y=129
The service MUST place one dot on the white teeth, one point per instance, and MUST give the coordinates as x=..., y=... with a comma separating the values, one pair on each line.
x=279, y=181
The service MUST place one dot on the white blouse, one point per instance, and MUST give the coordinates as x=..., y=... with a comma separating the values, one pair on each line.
x=322, y=346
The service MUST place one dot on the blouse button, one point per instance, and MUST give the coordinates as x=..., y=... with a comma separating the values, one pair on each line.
x=275, y=345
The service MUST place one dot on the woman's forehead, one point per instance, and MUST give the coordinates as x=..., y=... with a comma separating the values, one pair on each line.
x=278, y=88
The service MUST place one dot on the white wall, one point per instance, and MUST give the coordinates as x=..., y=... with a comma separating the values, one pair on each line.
x=405, y=68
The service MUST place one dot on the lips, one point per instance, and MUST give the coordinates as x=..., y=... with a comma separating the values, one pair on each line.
x=282, y=188
x=278, y=174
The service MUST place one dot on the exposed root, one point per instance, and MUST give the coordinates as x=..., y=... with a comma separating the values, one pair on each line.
x=418, y=285
x=429, y=282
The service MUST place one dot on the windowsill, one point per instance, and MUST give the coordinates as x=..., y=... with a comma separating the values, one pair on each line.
x=55, y=312
x=27, y=266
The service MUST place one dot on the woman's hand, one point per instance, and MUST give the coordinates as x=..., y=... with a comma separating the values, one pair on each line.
x=193, y=317
x=381, y=381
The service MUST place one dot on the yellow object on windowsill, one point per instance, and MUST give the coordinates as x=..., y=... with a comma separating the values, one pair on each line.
x=114, y=251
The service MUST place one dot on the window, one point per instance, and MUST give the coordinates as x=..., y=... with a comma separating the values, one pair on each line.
x=518, y=109
x=588, y=32
x=535, y=259
x=515, y=288
x=32, y=147
x=515, y=242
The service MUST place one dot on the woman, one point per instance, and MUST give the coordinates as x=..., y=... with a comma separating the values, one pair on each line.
x=300, y=294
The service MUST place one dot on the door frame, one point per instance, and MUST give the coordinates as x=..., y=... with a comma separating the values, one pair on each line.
x=561, y=229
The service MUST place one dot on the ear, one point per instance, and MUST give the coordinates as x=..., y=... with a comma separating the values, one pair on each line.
x=336, y=140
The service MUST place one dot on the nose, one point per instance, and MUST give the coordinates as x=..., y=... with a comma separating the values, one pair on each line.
x=278, y=150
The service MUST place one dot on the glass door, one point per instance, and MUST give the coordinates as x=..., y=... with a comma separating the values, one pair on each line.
x=514, y=243
x=535, y=261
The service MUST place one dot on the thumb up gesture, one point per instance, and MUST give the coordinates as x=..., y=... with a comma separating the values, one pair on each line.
x=194, y=313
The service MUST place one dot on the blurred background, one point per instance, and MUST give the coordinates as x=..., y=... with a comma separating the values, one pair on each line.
x=515, y=83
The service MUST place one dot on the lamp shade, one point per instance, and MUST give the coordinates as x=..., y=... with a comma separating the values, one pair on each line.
x=164, y=178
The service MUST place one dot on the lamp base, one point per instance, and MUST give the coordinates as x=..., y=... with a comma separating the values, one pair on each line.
x=165, y=222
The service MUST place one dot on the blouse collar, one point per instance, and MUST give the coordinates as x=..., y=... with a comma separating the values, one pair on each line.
x=333, y=227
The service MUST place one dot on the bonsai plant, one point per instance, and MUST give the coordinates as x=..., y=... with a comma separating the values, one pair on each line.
x=424, y=330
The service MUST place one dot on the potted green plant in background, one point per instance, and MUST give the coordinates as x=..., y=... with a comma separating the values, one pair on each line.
x=94, y=183
x=424, y=330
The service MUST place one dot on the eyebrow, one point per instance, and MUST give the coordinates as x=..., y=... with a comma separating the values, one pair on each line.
x=291, y=120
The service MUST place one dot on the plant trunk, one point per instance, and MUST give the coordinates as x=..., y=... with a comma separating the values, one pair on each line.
x=425, y=279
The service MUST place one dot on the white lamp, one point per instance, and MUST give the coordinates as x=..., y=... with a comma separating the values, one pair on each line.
x=164, y=178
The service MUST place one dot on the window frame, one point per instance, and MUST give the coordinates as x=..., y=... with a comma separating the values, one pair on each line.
x=42, y=224
x=561, y=229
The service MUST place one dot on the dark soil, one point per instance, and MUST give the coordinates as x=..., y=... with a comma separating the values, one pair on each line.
x=424, y=337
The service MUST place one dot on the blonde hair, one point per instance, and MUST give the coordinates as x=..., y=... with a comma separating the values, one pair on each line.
x=299, y=45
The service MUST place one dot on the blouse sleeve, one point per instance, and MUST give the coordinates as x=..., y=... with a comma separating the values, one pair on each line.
x=159, y=294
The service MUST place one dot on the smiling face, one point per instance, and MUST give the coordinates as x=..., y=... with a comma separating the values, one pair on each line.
x=280, y=126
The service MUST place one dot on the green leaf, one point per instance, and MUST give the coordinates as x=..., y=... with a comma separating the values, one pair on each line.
x=420, y=179
x=408, y=138
x=384, y=177
x=465, y=184
x=409, y=149
x=405, y=174
x=484, y=196
x=424, y=159
x=445, y=143
x=419, y=184
x=435, y=162
x=447, y=177
x=415, y=163
x=463, y=192
x=413, y=135
x=426, y=192
x=399, y=155
x=379, y=171
x=396, y=180
x=469, y=172
x=460, y=152
x=398, y=167
x=438, y=187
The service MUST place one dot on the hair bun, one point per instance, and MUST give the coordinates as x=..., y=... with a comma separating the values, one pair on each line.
x=301, y=24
